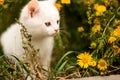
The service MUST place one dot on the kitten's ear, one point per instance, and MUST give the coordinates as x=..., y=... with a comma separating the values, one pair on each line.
x=52, y=1
x=33, y=8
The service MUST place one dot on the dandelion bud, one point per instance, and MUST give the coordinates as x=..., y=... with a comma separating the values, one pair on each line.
x=93, y=45
x=80, y=29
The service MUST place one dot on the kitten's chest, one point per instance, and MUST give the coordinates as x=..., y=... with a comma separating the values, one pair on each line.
x=42, y=44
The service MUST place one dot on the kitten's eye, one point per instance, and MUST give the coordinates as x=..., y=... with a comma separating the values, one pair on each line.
x=48, y=24
x=58, y=21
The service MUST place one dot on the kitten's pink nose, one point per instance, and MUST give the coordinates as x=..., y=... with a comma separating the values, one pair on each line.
x=56, y=30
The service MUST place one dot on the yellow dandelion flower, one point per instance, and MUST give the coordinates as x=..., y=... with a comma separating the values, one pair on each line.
x=84, y=60
x=80, y=29
x=66, y=1
x=96, y=28
x=1, y=2
x=106, y=2
x=96, y=6
x=111, y=40
x=59, y=6
x=101, y=8
x=116, y=32
x=93, y=45
x=102, y=65
x=93, y=63
x=96, y=21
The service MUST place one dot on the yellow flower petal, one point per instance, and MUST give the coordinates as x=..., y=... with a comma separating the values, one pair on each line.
x=101, y=8
x=96, y=28
x=111, y=40
x=86, y=65
x=66, y=1
x=59, y=6
x=98, y=13
x=96, y=6
x=116, y=32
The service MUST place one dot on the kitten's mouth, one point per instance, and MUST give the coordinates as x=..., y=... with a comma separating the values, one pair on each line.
x=54, y=34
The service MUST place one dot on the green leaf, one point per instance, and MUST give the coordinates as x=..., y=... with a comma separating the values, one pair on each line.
x=22, y=64
x=62, y=66
x=70, y=67
x=61, y=60
x=94, y=70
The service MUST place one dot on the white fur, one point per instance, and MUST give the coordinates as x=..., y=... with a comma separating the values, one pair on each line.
x=42, y=36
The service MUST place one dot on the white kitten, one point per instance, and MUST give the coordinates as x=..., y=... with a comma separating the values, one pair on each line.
x=41, y=18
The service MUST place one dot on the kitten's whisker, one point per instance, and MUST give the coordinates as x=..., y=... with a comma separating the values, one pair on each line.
x=62, y=28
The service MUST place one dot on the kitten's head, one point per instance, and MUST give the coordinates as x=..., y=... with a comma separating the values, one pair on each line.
x=41, y=17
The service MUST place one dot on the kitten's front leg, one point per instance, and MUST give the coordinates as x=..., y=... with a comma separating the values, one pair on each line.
x=45, y=61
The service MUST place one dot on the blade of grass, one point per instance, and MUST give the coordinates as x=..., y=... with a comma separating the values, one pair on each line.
x=70, y=67
x=61, y=60
x=22, y=64
x=93, y=70
x=8, y=75
x=62, y=66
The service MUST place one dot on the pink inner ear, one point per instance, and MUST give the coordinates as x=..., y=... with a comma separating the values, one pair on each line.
x=33, y=7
